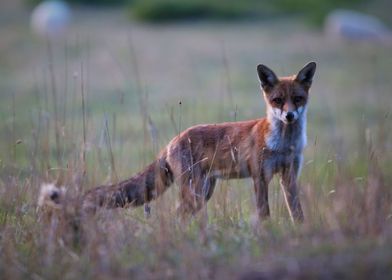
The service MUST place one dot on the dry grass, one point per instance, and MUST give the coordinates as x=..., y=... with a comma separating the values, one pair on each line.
x=134, y=77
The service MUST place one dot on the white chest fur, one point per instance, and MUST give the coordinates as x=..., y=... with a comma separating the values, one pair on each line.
x=287, y=138
x=284, y=144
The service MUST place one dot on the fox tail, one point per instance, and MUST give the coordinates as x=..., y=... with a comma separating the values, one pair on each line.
x=135, y=191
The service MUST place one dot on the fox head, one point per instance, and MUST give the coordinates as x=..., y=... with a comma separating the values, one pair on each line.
x=286, y=98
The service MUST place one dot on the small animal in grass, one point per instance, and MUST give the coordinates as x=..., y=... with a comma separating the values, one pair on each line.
x=200, y=155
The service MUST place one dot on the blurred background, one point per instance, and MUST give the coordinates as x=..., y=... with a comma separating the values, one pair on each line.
x=136, y=60
x=91, y=90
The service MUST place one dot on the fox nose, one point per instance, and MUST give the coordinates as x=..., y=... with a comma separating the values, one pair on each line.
x=290, y=116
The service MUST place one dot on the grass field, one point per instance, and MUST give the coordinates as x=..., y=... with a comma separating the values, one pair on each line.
x=136, y=86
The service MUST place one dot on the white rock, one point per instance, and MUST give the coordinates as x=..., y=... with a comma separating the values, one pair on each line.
x=50, y=18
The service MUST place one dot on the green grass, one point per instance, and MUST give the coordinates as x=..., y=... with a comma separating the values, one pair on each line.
x=211, y=69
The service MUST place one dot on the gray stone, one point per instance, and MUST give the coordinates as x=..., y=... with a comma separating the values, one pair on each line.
x=354, y=25
x=51, y=18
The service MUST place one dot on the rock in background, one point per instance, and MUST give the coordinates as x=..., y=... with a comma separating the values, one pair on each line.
x=356, y=26
x=50, y=18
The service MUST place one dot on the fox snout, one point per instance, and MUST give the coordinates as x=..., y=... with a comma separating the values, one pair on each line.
x=291, y=112
x=287, y=117
x=290, y=117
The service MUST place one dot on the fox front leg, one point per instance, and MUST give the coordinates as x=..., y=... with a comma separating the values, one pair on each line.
x=261, y=191
x=290, y=186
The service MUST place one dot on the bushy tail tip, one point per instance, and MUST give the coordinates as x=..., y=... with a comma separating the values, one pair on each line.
x=50, y=196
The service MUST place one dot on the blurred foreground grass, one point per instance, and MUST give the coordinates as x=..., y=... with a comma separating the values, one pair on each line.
x=133, y=78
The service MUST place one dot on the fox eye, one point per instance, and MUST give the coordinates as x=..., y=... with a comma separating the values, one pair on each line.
x=298, y=99
x=278, y=101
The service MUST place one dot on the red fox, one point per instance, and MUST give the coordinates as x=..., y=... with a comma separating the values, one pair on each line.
x=200, y=155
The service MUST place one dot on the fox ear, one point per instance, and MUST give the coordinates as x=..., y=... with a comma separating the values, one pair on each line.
x=305, y=75
x=267, y=77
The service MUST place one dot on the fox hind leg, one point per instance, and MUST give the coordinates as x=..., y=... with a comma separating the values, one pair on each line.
x=195, y=194
x=208, y=187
